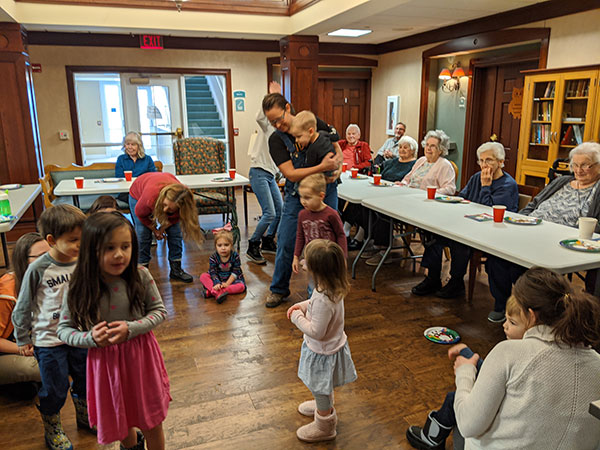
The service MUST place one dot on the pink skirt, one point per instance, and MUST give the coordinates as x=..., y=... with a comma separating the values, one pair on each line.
x=127, y=386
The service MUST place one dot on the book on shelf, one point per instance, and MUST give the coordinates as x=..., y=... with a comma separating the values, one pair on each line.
x=578, y=132
x=566, y=140
x=572, y=119
x=549, y=92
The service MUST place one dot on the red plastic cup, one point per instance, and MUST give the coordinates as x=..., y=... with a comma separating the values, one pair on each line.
x=128, y=175
x=79, y=182
x=344, y=167
x=431, y=192
x=354, y=171
x=376, y=179
x=499, y=213
x=232, y=173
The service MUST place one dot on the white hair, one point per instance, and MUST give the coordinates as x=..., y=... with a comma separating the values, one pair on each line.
x=136, y=138
x=411, y=142
x=443, y=140
x=589, y=149
x=353, y=125
x=497, y=150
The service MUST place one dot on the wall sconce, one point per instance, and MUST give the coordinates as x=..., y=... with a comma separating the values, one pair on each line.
x=451, y=81
x=179, y=4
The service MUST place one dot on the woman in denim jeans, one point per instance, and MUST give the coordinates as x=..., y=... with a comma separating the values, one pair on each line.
x=263, y=183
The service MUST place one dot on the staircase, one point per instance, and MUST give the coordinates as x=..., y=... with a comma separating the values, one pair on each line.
x=203, y=118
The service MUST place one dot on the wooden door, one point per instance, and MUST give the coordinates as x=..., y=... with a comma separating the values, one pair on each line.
x=493, y=90
x=344, y=101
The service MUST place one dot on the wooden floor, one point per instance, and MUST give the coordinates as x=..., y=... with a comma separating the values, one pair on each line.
x=233, y=366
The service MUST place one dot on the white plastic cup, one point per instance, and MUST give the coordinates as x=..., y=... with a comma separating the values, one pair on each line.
x=587, y=225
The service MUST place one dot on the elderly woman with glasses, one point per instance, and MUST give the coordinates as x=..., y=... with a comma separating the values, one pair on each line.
x=563, y=201
x=491, y=186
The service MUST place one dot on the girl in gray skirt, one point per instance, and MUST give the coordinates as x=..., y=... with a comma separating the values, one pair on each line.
x=325, y=360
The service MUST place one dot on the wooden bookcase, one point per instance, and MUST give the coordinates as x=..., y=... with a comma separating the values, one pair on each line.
x=559, y=112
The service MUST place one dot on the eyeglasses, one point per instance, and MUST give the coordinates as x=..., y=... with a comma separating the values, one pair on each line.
x=582, y=166
x=487, y=161
x=279, y=120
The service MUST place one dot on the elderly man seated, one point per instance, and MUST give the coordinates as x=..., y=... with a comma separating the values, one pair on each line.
x=491, y=186
x=563, y=201
x=356, y=153
x=389, y=149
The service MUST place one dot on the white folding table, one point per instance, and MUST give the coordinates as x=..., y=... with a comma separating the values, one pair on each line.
x=20, y=200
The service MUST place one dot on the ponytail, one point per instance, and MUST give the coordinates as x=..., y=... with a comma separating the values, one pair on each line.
x=573, y=316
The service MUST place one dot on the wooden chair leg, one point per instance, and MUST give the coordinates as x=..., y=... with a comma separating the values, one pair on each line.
x=245, y=206
x=474, y=264
x=447, y=253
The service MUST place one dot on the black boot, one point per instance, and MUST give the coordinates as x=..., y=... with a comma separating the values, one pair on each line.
x=431, y=437
x=428, y=286
x=254, y=254
x=177, y=273
x=268, y=245
x=454, y=288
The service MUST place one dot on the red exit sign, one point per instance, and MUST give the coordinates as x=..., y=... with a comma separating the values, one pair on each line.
x=151, y=41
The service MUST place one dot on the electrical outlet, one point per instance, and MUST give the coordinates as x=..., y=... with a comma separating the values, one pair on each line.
x=63, y=135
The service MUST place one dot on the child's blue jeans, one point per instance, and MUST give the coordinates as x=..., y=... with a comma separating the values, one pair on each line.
x=56, y=364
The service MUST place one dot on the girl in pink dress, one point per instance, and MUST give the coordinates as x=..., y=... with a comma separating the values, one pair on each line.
x=111, y=307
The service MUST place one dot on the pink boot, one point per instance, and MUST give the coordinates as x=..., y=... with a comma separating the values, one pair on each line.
x=321, y=429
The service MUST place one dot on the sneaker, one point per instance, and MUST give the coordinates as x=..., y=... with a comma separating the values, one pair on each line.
x=274, y=300
x=497, y=316
x=268, y=245
x=374, y=260
x=254, y=254
x=427, y=286
x=354, y=245
x=452, y=289
x=222, y=297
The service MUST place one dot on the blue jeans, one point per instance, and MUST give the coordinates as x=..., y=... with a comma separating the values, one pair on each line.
x=56, y=364
x=286, y=239
x=267, y=192
x=144, y=236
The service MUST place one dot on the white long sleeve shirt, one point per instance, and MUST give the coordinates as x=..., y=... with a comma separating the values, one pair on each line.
x=322, y=322
x=530, y=394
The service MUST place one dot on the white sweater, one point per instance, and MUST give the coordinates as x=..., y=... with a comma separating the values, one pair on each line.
x=259, y=152
x=530, y=394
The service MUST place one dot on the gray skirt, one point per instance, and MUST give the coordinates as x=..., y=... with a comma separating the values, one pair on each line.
x=321, y=373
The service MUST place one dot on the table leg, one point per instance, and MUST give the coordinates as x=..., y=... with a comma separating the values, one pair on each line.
x=245, y=206
x=385, y=254
x=76, y=201
x=34, y=212
x=366, y=242
x=4, y=250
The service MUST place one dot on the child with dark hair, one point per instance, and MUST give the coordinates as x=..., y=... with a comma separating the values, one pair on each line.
x=104, y=203
x=111, y=307
x=36, y=317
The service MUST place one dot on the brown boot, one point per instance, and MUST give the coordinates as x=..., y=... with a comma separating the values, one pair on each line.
x=323, y=428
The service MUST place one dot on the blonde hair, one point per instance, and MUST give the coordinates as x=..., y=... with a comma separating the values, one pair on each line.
x=303, y=121
x=224, y=234
x=136, y=138
x=326, y=262
x=316, y=182
x=513, y=308
x=188, y=214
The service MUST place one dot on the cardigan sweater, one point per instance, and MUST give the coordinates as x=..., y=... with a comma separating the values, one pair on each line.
x=140, y=166
x=362, y=154
x=503, y=191
x=555, y=186
x=530, y=393
x=441, y=175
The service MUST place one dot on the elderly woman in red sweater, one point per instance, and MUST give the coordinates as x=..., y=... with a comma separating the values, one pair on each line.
x=357, y=153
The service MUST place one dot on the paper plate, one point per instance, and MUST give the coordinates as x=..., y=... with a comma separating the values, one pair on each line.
x=4, y=219
x=582, y=245
x=449, y=199
x=222, y=179
x=523, y=220
x=358, y=177
x=112, y=180
x=10, y=187
x=383, y=183
x=442, y=335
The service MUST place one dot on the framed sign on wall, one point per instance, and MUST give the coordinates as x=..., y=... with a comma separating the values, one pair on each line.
x=393, y=108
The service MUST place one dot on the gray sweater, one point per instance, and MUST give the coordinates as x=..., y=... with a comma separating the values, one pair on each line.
x=555, y=186
x=116, y=307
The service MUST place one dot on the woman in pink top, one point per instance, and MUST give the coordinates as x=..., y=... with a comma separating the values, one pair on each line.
x=325, y=359
x=162, y=206
x=432, y=169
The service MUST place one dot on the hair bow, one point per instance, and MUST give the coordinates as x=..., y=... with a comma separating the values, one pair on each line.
x=226, y=227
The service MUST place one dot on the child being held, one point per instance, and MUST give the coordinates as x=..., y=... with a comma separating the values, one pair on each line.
x=36, y=318
x=316, y=220
x=325, y=359
x=225, y=269
x=111, y=307
x=440, y=423
x=316, y=144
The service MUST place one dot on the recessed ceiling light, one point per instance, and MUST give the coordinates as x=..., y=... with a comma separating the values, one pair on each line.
x=349, y=32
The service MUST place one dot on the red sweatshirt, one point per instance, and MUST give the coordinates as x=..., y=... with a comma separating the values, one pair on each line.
x=324, y=224
x=362, y=154
x=145, y=190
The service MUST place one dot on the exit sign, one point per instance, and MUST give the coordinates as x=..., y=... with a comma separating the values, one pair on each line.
x=151, y=41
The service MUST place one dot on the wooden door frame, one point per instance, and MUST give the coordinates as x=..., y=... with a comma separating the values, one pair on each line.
x=71, y=70
x=474, y=85
x=477, y=42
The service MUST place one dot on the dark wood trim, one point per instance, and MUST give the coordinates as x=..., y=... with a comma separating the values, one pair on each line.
x=469, y=131
x=544, y=45
x=351, y=74
x=332, y=48
x=344, y=60
x=298, y=5
x=368, y=110
x=512, y=18
x=425, y=68
x=71, y=70
x=506, y=59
